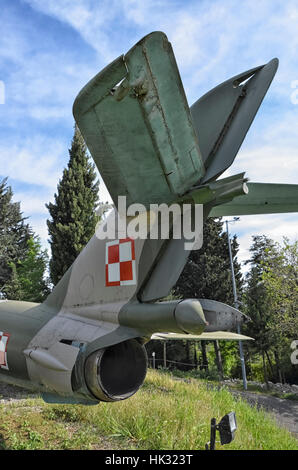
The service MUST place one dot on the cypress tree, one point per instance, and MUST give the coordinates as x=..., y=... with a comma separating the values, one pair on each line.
x=73, y=217
x=14, y=233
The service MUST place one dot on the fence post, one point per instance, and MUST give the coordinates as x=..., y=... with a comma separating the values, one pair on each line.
x=165, y=354
x=153, y=360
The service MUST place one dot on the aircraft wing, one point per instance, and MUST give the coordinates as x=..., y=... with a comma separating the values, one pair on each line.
x=262, y=198
x=212, y=336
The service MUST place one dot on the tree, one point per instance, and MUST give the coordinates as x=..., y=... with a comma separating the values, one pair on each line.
x=256, y=298
x=207, y=273
x=73, y=217
x=14, y=233
x=271, y=301
x=280, y=278
x=28, y=281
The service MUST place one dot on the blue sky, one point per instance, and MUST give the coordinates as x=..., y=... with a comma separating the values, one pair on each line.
x=50, y=49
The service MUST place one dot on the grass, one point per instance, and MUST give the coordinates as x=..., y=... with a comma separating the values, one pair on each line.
x=167, y=413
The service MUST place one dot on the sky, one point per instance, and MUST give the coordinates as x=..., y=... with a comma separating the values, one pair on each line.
x=50, y=49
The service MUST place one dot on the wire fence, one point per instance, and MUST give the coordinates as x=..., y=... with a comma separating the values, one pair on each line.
x=152, y=362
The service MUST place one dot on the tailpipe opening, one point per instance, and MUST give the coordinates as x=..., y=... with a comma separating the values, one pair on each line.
x=117, y=372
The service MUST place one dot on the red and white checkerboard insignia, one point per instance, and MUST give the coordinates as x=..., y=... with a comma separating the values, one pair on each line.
x=120, y=263
x=4, y=337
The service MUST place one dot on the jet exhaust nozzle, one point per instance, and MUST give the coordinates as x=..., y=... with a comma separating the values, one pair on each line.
x=117, y=372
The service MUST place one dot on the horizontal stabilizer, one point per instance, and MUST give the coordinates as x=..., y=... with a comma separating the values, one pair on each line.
x=136, y=122
x=262, y=198
x=214, y=336
x=223, y=116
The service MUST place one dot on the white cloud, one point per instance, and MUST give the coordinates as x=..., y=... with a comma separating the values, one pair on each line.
x=88, y=18
x=268, y=164
x=37, y=160
x=44, y=89
x=41, y=80
x=33, y=203
x=40, y=228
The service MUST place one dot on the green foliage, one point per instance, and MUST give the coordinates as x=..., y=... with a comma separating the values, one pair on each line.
x=64, y=413
x=14, y=233
x=28, y=281
x=263, y=250
x=271, y=301
x=230, y=353
x=280, y=278
x=207, y=273
x=210, y=374
x=256, y=370
x=73, y=217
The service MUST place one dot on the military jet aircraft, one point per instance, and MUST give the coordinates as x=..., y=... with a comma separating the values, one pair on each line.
x=85, y=343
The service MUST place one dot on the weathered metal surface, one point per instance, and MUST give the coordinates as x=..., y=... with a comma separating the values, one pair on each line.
x=223, y=116
x=221, y=316
x=52, y=367
x=21, y=320
x=176, y=316
x=221, y=191
x=140, y=131
x=262, y=198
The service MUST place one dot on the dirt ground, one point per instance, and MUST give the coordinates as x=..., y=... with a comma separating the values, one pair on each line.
x=10, y=393
x=284, y=411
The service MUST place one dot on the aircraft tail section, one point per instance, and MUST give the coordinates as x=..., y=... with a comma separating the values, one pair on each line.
x=115, y=270
x=223, y=116
x=151, y=148
x=145, y=140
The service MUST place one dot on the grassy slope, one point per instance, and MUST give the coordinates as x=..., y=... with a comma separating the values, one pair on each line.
x=164, y=414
